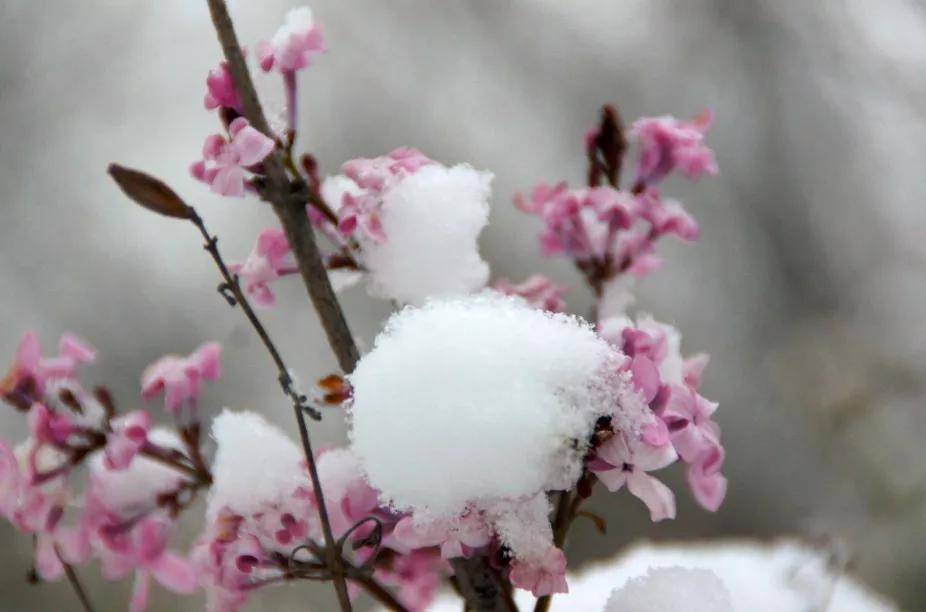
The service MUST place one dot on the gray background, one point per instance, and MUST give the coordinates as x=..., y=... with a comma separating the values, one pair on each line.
x=807, y=287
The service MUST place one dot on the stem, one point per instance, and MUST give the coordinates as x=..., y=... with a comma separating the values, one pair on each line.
x=298, y=401
x=289, y=82
x=75, y=584
x=163, y=457
x=379, y=593
x=481, y=586
x=288, y=197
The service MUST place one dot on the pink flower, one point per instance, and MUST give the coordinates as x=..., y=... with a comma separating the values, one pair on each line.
x=144, y=551
x=359, y=210
x=220, y=89
x=419, y=576
x=294, y=45
x=543, y=577
x=456, y=538
x=696, y=437
x=539, y=291
x=378, y=172
x=30, y=371
x=129, y=434
x=225, y=162
x=271, y=259
x=667, y=144
x=180, y=378
x=620, y=461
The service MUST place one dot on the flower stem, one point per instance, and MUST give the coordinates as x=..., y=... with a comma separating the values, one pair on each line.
x=238, y=298
x=74, y=580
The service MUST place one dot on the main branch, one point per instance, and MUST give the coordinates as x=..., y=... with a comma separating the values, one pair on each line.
x=288, y=195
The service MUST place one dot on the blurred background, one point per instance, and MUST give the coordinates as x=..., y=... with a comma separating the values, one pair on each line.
x=808, y=286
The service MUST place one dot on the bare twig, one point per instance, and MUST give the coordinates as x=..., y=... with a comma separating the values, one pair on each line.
x=74, y=580
x=237, y=297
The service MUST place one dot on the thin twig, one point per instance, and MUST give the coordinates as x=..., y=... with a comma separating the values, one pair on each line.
x=231, y=284
x=75, y=583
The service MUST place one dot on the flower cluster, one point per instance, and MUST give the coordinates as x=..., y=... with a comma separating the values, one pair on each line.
x=227, y=161
x=408, y=222
x=608, y=231
x=683, y=429
x=139, y=477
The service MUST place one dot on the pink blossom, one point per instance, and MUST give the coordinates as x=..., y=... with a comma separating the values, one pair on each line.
x=697, y=439
x=581, y=223
x=294, y=44
x=419, y=576
x=143, y=549
x=456, y=538
x=271, y=259
x=667, y=144
x=622, y=460
x=180, y=378
x=539, y=291
x=129, y=434
x=360, y=210
x=30, y=369
x=378, y=172
x=220, y=89
x=225, y=162
x=669, y=384
x=543, y=577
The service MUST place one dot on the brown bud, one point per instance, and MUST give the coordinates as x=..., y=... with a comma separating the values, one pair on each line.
x=150, y=192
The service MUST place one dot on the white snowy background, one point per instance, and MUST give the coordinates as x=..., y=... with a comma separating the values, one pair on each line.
x=807, y=287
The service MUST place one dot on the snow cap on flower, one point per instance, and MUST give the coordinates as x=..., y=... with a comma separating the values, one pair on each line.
x=180, y=378
x=225, y=162
x=255, y=464
x=519, y=390
x=417, y=223
x=672, y=588
x=294, y=44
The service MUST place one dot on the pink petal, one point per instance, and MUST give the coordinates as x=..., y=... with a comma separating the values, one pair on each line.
x=73, y=347
x=176, y=573
x=208, y=360
x=251, y=145
x=658, y=497
x=141, y=592
x=229, y=181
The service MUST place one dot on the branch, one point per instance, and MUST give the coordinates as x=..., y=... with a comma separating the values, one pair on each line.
x=237, y=297
x=288, y=197
x=75, y=583
x=481, y=586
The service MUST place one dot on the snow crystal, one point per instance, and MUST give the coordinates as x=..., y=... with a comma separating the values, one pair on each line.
x=337, y=469
x=524, y=526
x=134, y=490
x=432, y=219
x=255, y=464
x=477, y=398
x=672, y=588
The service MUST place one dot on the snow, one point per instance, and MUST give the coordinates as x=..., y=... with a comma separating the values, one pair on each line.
x=432, y=219
x=134, y=490
x=524, y=526
x=786, y=576
x=255, y=464
x=477, y=399
x=671, y=588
